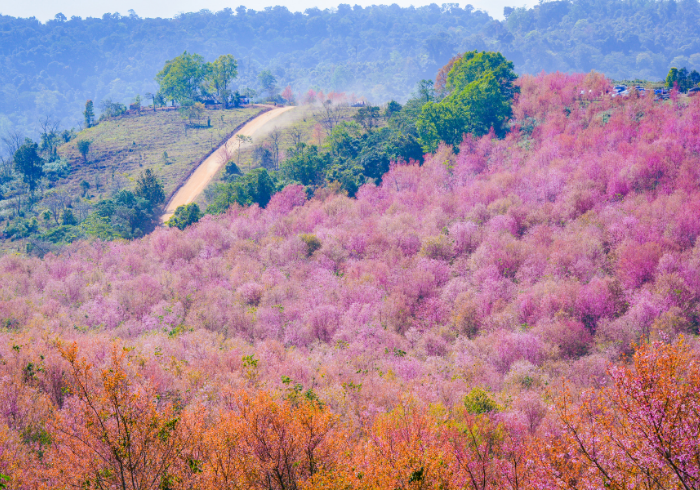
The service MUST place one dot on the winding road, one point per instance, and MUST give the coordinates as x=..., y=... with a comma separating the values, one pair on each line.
x=206, y=171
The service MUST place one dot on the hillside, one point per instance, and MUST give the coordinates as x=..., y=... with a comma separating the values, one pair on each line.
x=443, y=322
x=127, y=145
x=379, y=51
x=97, y=191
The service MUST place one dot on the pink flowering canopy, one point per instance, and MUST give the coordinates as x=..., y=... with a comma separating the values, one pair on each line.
x=542, y=255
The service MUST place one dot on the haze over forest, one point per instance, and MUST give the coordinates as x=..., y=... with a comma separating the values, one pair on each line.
x=379, y=52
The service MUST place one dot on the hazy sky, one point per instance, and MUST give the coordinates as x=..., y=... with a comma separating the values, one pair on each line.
x=46, y=9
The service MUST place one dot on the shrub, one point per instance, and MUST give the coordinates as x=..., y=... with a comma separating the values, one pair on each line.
x=312, y=243
x=184, y=216
x=478, y=401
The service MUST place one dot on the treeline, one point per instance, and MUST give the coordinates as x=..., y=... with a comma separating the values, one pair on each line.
x=382, y=51
x=379, y=51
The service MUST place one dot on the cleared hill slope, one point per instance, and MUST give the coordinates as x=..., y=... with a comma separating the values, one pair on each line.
x=161, y=141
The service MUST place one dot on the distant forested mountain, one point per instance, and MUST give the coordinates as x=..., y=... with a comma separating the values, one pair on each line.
x=380, y=52
x=623, y=39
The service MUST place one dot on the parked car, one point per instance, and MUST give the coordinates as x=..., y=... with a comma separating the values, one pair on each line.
x=661, y=94
x=620, y=90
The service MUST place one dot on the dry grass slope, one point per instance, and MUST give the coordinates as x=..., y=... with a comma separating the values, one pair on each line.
x=124, y=147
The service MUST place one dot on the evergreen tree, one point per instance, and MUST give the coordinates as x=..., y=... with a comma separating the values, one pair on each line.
x=89, y=114
x=150, y=188
x=29, y=164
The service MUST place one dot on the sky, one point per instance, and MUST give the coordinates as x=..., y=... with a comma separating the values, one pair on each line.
x=46, y=9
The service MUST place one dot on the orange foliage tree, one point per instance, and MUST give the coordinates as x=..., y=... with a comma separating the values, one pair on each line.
x=643, y=431
x=113, y=433
x=264, y=444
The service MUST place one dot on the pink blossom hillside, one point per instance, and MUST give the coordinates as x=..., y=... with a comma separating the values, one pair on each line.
x=514, y=263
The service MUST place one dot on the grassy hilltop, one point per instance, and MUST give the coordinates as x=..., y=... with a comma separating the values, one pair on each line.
x=124, y=147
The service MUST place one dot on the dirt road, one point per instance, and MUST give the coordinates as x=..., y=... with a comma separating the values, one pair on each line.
x=201, y=177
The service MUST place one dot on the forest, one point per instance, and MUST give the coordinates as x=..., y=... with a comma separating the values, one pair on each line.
x=516, y=309
x=469, y=257
x=379, y=52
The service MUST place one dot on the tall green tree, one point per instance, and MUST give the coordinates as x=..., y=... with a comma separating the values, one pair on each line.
x=182, y=78
x=268, y=82
x=221, y=73
x=89, y=114
x=475, y=64
x=29, y=164
x=149, y=187
x=682, y=79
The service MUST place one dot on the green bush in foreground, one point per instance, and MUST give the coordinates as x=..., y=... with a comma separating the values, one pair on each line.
x=185, y=216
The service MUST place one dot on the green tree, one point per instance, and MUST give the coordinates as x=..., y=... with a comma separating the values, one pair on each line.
x=693, y=79
x=255, y=187
x=268, y=82
x=392, y=108
x=84, y=148
x=473, y=65
x=344, y=140
x=68, y=218
x=149, y=187
x=29, y=164
x=185, y=216
x=182, y=78
x=260, y=186
x=192, y=112
x=368, y=117
x=89, y=114
x=675, y=76
x=231, y=170
x=426, y=90
x=682, y=78
x=478, y=402
x=222, y=72
x=136, y=103
x=111, y=109
x=306, y=166
x=480, y=87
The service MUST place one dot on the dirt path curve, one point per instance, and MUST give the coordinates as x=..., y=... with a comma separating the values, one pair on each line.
x=203, y=175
